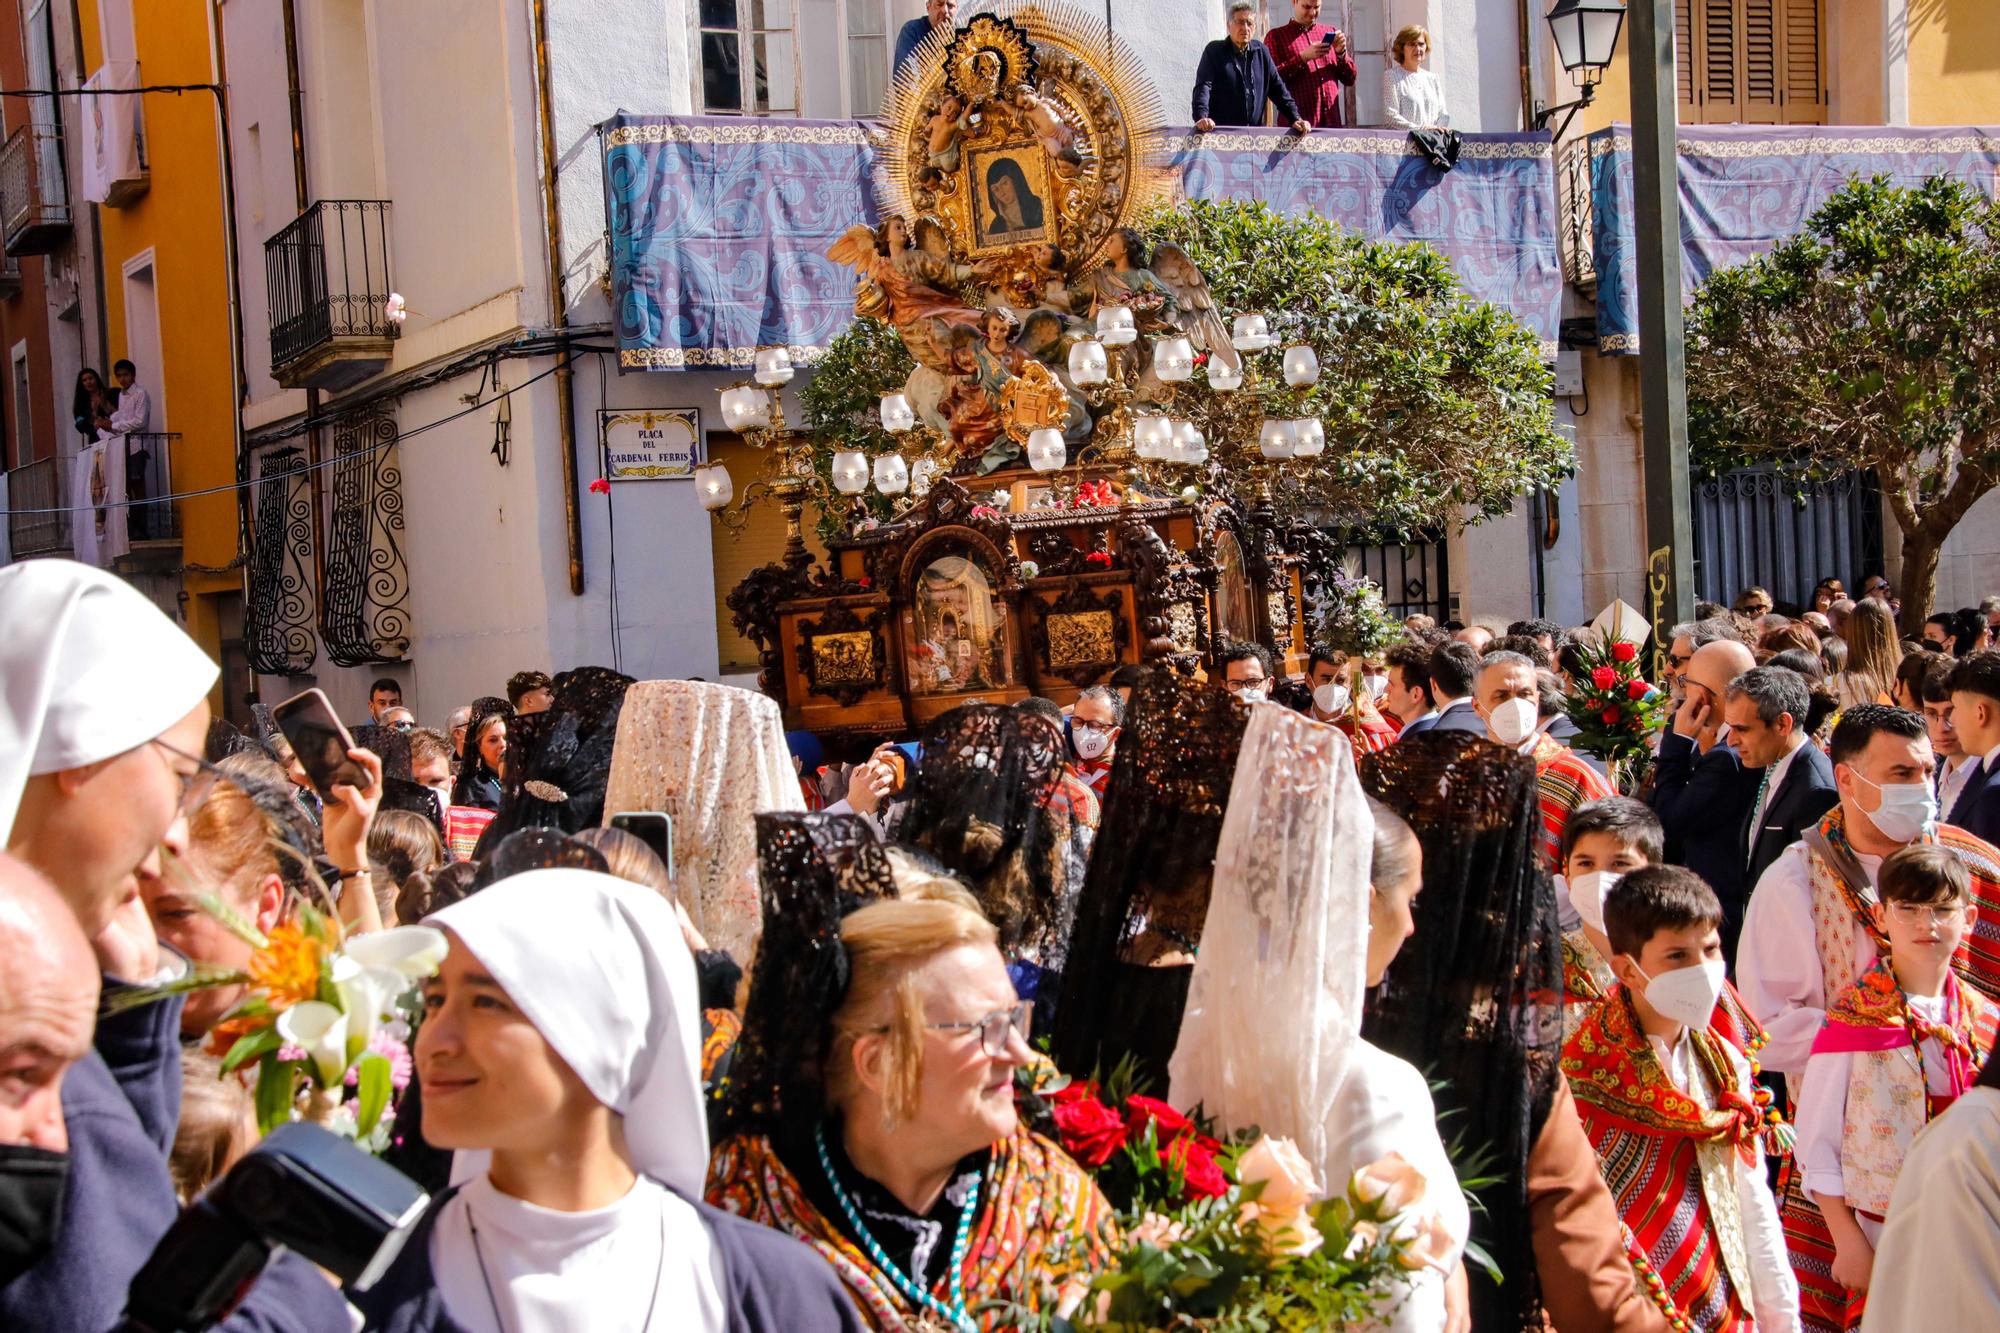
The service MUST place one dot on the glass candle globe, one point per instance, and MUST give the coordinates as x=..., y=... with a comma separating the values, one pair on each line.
x=1114, y=325
x=1274, y=440
x=1150, y=436
x=1087, y=362
x=1046, y=451
x=897, y=414
x=1301, y=366
x=1310, y=436
x=713, y=487
x=1173, y=360
x=774, y=365
x=1250, y=333
x=850, y=471
x=892, y=474
x=1222, y=377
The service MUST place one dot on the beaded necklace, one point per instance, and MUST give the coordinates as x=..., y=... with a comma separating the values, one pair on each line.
x=955, y=1311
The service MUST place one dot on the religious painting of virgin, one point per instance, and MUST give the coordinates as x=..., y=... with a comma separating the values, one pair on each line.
x=1010, y=197
x=959, y=641
x=1235, y=611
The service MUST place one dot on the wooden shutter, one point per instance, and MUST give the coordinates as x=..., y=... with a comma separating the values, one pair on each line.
x=1750, y=62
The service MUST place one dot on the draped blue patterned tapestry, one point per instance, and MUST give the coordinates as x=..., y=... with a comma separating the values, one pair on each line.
x=720, y=225
x=1744, y=188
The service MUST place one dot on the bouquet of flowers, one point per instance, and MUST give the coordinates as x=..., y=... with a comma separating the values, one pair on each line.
x=1616, y=710
x=1352, y=618
x=325, y=1023
x=1232, y=1234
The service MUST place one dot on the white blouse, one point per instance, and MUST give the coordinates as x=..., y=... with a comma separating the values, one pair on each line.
x=1778, y=970
x=645, y=1261
x=1413, y=99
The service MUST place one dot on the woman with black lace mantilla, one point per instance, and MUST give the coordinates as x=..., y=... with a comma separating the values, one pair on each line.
x=871, y=1113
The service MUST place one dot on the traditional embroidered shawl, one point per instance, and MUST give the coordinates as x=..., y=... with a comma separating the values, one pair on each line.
x=1564, y=782
x=1666, y=1158
x=1041, y=1221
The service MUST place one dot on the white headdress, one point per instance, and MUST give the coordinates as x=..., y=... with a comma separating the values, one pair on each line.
x=89, y=668
x=600, y=968
x=1274, y=1006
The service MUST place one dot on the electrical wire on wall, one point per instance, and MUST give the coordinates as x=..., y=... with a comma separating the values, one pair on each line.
x=611, y=526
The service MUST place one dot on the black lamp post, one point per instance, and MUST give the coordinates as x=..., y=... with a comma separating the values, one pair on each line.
x=1586, y=33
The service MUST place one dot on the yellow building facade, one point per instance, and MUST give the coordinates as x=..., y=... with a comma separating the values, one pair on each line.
x=167, y=293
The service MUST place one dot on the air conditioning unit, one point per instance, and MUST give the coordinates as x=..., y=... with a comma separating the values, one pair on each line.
x=113, y=132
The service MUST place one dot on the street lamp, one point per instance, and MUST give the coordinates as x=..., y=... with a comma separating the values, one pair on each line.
x=1586, y=33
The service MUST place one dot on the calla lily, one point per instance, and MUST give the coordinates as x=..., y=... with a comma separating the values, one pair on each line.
x=414, y=951
x=366, y=993
x=320, y=1030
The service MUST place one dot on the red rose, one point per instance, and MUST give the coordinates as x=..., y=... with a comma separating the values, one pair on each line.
x=1604, y=678
x=1075, y=1090
x=1611, y=715
x=1100, y=559
x=1638, y=689
x=1138, y=1110
x=1091, y=1131
x=1622, y=651
x=1204, y=1179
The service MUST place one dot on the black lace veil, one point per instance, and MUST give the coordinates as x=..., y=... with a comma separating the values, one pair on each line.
x=812, y=870
x=1475, y=996
x=980, y=804
x=1150, y=868
x=559, y=760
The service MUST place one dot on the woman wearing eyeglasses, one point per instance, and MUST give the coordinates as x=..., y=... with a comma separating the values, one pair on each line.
x=904, y=1163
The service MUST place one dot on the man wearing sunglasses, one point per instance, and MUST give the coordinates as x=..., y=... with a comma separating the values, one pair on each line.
x=103, y=714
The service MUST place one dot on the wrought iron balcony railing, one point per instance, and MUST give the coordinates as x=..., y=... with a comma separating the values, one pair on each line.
x=327, y=275
x=34, y=196
x=34, y=487
x=1576, y=214
x=149, y=474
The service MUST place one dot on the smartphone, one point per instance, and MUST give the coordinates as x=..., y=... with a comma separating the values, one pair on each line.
x=321, y=743
x=652, y=827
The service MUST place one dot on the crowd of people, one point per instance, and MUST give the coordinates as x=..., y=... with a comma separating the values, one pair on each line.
x=737, y=1028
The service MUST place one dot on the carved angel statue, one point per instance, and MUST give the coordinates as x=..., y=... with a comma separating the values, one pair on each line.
x=1051, y=131
x=948, y=125
x=1164, y=290
x=906, y=285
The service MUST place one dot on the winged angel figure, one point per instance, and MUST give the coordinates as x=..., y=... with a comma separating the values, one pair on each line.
x=1165, y=292
x=909, y=285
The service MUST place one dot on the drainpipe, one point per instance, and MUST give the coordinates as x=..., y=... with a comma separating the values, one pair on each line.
x=219, y=63
x=1525, y=16
x=558, y=305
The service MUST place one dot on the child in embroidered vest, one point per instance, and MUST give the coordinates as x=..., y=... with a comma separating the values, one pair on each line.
x=1898, y=1046
x=1674, y=1115
x=1602, y=841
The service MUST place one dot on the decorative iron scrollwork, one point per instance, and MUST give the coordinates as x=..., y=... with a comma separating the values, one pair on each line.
x=842, y=655
x=278, y=637
x=364, y=602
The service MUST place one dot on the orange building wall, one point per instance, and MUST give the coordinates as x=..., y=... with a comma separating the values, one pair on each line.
x=1955, y=62
x=25, y=314
x=181, y=219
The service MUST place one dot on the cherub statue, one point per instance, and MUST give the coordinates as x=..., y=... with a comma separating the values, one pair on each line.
x=906, y=285
x=1029, y=278
x=1051, y=131
x=1164, y=290
x=948, y=123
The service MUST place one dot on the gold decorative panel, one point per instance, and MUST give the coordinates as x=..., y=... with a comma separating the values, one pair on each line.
x=1081, y=639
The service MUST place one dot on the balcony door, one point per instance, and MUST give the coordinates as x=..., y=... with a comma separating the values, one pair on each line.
x=775, y=57
x=142, y=336
x=1751, y=62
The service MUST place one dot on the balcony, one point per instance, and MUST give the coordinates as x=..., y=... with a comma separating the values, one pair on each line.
x=327, y=274
x=114, y=151
x=149, y=473
x=34, y=487
x=34, y=197
x=1576, y=217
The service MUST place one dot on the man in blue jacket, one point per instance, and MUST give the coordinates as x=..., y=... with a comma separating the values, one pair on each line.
x=102, y=726
x=1237, y=78
x=1765, y=710
x=937, y=14
x=1975, y=712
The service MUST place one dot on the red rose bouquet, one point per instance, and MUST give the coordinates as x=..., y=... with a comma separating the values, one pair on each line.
x=1616, y=710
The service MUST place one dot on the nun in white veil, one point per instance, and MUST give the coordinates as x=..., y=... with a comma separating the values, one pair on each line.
x=1301, y=921
x=558, y=1056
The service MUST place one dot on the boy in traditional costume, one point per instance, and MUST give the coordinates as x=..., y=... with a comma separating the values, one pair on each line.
x=1675, y=1116
x=1810, y=931
x=1901, y=1043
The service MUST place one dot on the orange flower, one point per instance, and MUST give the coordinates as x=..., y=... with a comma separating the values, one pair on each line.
x=288, y=968
x=229, y=1031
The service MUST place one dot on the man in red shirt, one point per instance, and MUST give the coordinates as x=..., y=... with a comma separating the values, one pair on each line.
x=1314, y=60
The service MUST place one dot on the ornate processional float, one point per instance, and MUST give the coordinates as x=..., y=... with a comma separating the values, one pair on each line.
x=1045, y=448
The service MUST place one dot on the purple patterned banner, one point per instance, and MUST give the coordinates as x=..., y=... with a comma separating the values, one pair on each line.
x=720, y=225
x=1744, y=188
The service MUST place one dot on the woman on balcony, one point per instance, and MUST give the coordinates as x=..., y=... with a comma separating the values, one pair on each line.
x=1412, y=96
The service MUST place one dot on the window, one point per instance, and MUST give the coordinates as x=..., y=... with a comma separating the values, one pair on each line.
x=867, y=56
x=24, y=410
x=749, y=58
x=1751, y=62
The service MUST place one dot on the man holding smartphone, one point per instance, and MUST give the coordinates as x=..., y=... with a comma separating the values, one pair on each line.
x=1315, y=62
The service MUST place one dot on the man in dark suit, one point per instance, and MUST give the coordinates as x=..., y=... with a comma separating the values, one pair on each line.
x=1700, y=787
x=1765, y=709
x=1975, y=715
x=1454, y=666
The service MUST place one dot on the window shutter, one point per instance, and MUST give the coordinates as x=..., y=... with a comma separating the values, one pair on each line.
x=1759, y=57
x=1802, y=53
x=1685, y=58
x=1719, y=76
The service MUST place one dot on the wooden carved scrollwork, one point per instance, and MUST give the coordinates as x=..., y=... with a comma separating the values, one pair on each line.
x=1172, y=601
x=842, y=655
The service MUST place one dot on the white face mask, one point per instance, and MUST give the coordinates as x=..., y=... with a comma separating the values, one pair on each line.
x=1907, y=809
x=1513, y=721
x=1586, y=895
x=1687, y=995
x=1332, y=697
x=1252, y=694
x=1377, y=686
x=1090, y=743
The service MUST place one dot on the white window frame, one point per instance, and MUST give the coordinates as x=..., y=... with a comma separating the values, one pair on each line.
x=745, y=65
x=892, y=22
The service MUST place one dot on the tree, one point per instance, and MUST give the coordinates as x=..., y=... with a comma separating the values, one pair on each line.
x=1869, y=340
